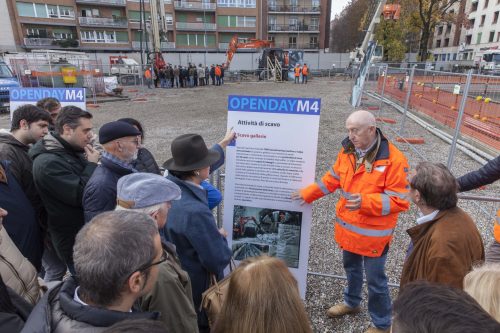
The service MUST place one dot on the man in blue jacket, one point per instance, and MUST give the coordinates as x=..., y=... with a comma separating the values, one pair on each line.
x=121, y=143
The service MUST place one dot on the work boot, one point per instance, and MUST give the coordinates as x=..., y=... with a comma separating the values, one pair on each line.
x=342, y=309
x=377, y=330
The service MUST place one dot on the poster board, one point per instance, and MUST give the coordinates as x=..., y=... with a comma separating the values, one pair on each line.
x=66, y=96
x=273, y=155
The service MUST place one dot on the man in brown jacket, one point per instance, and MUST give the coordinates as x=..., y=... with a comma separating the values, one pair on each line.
x=445, y=243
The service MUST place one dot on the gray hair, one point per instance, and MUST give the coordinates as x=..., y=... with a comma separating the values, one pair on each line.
x=108, y=249
x=146, y=210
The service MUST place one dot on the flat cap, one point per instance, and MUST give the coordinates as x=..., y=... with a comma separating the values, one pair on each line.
x=140, y=190
x=116, y=130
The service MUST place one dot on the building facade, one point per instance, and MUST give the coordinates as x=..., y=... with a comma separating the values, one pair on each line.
x=206, y=25
x=477, y=33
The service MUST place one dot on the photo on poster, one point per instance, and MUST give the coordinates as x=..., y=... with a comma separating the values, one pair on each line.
x=273, y=232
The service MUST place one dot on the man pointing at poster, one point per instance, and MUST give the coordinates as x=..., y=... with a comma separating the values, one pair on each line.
x=371, y=175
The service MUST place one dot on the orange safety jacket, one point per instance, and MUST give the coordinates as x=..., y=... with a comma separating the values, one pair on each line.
x=305, y=70
x=382, y=182
x=218, y=71
x=496, y=227
x=147, y=74
x=297, y=71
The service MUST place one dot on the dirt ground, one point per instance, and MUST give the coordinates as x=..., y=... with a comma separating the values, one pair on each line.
x=168, y=113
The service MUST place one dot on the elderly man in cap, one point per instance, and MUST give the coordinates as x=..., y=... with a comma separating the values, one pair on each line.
x=171, y=295
x=121, y=143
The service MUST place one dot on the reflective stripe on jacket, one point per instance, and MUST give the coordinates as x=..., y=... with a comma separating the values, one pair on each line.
x=368, y=230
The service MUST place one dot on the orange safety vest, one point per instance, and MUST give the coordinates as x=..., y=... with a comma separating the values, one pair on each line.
x=297, y=71
x=496, y=227
x=369, y=229
x=304, y=70
x=147, y=74
x=218, y=72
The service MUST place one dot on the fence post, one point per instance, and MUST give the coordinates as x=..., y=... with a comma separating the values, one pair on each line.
x=407, y=100
x=458, y=123
x=386, y=73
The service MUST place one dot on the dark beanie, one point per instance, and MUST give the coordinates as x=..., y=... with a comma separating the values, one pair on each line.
x=116, y=130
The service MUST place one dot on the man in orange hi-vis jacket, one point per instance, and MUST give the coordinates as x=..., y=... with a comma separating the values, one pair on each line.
x=297, y=71
x=371, y=175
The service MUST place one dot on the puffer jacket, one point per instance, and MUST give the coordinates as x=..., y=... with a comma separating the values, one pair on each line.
x=57, y=312
x=146, y=162
x=489, y=173
x=99, y=194
x=16, y=271
x=61, y=173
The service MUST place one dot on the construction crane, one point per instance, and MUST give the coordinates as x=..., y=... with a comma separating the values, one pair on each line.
x=158, y=33
x=234, y=45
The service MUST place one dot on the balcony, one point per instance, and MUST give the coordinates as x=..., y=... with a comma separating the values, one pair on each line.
x=119, y=22
x=52, y=42
x=293, y=10
x=195, y=6
x=121, y=3
x=287, y=28
x=164, y=45
x=196, y=26
x=298, y=46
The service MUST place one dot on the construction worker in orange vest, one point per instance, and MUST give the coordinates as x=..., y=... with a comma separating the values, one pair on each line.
x=148, y=76
x=305, y=73
x=218, y=73
x=371, y=175
x=297, y=73
x=489, y=173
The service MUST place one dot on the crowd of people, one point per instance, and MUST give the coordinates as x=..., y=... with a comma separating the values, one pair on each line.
x=94, y=237
x=184, y=76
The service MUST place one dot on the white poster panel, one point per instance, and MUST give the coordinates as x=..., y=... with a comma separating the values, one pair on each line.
x=273, y=155
x=66, y=96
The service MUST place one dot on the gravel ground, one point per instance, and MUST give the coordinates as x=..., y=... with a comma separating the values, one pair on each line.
x=168, y=113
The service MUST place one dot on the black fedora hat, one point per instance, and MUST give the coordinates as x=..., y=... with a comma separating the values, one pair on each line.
x=189, y=152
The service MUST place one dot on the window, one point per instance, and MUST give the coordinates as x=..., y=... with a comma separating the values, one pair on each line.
x=169, y=19
x=25, y=9
x=95, y=12
x=236, y=21
x=483, y=18
x=498, y=36
x=438, y=43
x=446, y=42
x=486, y=2
x=65, y=11
x=62, y=33
x=492, y=37
x=36, y=32
x=479, y=35
x=135, y=16
x=292, y=42
x=315, y=3
x=440, y=30
x=495, y=17
x=468, y=39
x=313, y=42
x=471, y=23
x=473, y=7
x=87, y=36
x=314, y=24
x=293, y=23
x=448, y=29
x=52, y=11
x=238, y=3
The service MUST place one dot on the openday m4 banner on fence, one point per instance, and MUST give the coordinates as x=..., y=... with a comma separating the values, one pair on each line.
x=273, y=155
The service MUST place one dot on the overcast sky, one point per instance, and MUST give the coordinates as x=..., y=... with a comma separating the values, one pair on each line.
x=337, y=6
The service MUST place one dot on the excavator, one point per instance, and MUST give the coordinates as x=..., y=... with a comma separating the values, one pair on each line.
x=234, y=45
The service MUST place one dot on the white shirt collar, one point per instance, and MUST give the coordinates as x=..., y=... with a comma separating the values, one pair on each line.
x=77, y=299
x=362, y=152
x=428, y=217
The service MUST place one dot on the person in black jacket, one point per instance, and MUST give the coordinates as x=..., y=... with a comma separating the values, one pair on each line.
x=145, y=161
x=489, y=173
x=121, y=142
x=63, y=162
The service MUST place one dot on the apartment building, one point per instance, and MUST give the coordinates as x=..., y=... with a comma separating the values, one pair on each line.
x=208, y=25
x=479, y=32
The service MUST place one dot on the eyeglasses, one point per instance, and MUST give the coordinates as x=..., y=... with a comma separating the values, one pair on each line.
x=136, y=141
x=164, y=257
